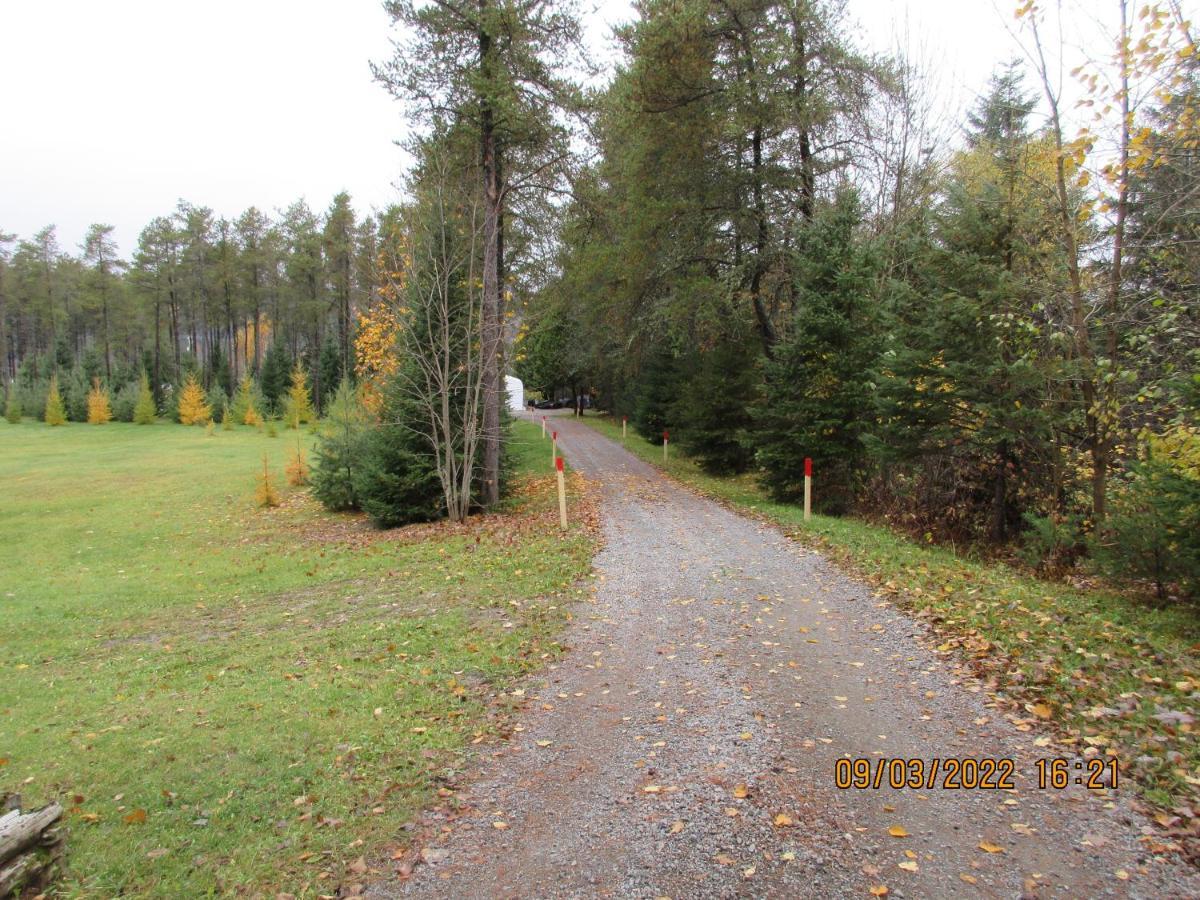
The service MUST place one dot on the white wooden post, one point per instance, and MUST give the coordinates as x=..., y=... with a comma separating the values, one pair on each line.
x=554, y=446
x=562, y=493
x=624, y=422
x=807, y=488
x=543, y=427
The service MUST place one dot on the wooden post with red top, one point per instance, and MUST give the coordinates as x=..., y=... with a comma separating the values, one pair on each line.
x=554, y=447
x=543, y=426
x=562, y=493
x=666, y=440
x=807, y=487
x=624, y=422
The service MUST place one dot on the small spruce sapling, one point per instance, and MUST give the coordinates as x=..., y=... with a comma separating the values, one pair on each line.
x=144, y=412
x=266, y=495
x=226, y=418
x=99, y=410
x=56, y=413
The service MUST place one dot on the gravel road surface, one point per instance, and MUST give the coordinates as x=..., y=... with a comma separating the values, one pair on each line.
x=686, y=745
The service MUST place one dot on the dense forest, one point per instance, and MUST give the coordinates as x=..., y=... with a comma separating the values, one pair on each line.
x=983, y=328
x=991, y=339
x=212, y=296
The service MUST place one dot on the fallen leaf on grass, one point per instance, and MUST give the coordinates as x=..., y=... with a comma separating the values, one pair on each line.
x=137, y=817
x=1041, y=710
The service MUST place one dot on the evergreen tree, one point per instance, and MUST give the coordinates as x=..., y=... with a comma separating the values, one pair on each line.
x=193, y=407
x=329, y=370
x=397, y=482
x=298, y=408
x=714, y=408
x=56, y=413
x=274, y=377
x=817, y=395
x=145, y=412
x=967, y=374
x=75, y=389
x=99, y=410
x=339, y=451
x=657, y=392
x=12, y=406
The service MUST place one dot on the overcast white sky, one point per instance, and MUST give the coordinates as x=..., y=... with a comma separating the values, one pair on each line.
x=114, y=111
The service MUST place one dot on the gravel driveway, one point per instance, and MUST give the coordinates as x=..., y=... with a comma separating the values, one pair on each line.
x=686, y=745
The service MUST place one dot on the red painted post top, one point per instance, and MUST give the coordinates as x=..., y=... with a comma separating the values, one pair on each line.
x=624, y=418
x=558, y=463
x=555, y=433
x=808, y=467
x=666, y=435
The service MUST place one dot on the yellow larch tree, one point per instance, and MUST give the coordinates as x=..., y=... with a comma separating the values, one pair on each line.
x=193, y=407
x=99, y=410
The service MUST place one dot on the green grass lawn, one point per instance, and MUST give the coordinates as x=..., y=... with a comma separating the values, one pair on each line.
x=233, y=699
x=1112, y=674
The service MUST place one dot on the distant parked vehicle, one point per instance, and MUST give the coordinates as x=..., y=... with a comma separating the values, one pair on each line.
x=548, y=404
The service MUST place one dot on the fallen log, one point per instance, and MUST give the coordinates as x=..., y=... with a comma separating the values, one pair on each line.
x=20, y=832
x=30, y=849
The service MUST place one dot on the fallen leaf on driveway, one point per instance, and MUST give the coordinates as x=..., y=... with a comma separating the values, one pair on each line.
x=989, y=847
x=897, y=831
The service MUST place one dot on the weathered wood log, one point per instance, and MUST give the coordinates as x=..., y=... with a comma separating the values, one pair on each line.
x=18, y=833
x=18, y=874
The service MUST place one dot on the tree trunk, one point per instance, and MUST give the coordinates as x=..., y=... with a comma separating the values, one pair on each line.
x=491, y=320
x=157, y=390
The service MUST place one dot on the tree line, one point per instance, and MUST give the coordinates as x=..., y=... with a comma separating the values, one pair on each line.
x=220, y=298
x=991, y=340
x=757, y=235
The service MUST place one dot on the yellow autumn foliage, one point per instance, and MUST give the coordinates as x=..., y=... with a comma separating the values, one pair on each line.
x=193, y=407
x=99, y=410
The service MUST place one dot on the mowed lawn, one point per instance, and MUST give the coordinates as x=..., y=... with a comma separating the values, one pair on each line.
x=229, y=699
